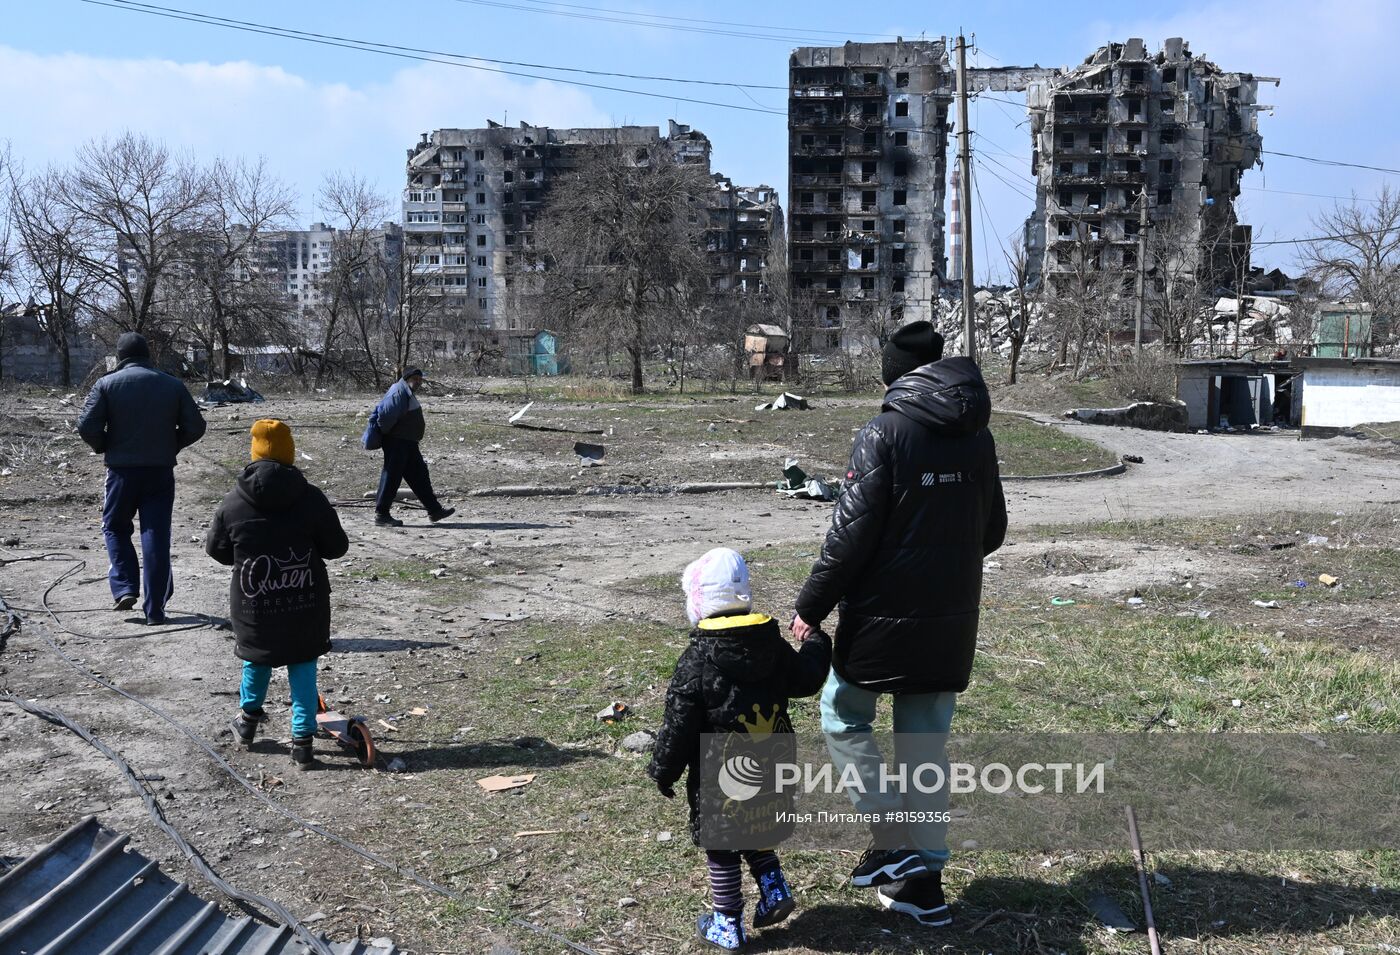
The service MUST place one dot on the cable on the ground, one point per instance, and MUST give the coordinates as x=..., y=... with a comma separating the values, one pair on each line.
x=153, y=809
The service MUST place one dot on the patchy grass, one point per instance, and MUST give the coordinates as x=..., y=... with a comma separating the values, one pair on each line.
x=1027, y=447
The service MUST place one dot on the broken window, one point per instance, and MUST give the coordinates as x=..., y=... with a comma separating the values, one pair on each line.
x=641, y=155
x=480, y=155
x=833, y=197
x=481, y=261
x=833, y=255
x=1064, y=228
x=896, y=255
x=901, y=138
x=481, y=239
x=867, y=110
x=1164, y=197
x=867, y=258
x=901, y=107
x=1095, y=199
x=867, y=172
x=507, y=153
x=867, y=199
x=1134, y=137
x=870, y=79
x=869, y=141
x=1096, y=142
x=1169, y=75
x=1164, y=166
x=808, y=139
x=481, y=198
x=833, y=312
x=901, y=79
x=1168, y=136
x=897, y=284
x=509, y=176
x=1169, y=106
x=1095, y=168
x=805, y=255
x=1135, y=110
x=896, y=313
x=1135, y=75
x=1067, y=168
x=1066, y=197
x=901, y=168
x=1129, y=258
x=901, y=196
x=867, y=283
x=1132, y=165
x=1067, y=140
x=833, y=285
x=898, y=226
x=867, y=225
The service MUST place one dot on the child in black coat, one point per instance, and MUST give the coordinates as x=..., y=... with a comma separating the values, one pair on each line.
x=736, y=676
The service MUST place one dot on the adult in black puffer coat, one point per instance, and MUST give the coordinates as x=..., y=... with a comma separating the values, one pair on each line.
x=922, y=506
x=277, y=530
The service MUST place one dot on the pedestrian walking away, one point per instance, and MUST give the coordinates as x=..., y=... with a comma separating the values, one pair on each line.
x=922, y=506
x=277, y=530
x=139, y=419
x=397, y=425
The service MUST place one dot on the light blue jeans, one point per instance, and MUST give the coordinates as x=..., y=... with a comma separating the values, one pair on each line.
x=301, y=676
x=921, y=722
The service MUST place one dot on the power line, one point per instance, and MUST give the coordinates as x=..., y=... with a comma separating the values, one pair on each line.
x=1313, y=195
x=790, y=37
x=1332, y=162
x=365, y=46
x=725, y=23
x=1330, y=238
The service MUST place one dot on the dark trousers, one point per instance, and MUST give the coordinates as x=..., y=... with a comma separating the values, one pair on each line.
x=150, y=493
x=404, y=462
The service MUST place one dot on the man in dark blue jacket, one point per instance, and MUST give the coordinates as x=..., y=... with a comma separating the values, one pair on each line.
x=922, y=506
x=397, y=425
x=139, y=419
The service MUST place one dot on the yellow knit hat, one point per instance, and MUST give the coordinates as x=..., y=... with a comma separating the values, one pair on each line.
x=272, y=441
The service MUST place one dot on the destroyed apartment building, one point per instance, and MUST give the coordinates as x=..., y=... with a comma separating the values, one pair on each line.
x=1129, y=139
x=868, y=172
x=473, y=197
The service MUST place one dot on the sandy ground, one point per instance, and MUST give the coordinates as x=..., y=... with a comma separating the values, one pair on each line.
x=409, y=638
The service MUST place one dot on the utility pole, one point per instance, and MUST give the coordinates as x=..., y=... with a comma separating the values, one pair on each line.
x=1139, y=304
x=965, y=202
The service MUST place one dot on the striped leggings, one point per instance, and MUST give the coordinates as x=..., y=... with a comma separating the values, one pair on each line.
x=726, y=878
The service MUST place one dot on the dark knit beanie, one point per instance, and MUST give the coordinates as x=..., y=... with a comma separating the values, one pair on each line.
x=411, y=372
x=132, y=345
x=912, y=346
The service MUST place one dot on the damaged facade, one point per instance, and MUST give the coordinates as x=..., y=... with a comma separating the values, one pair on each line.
x=1127, y=128
x=867, y=138
x=473, y=197
x=745, y=232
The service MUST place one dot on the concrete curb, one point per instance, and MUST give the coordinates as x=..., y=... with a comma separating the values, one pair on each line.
x=605, y=490
x=1109, y=471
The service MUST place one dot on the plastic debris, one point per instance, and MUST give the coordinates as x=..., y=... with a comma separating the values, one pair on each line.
x=797, y=484
x=612, y=713
x=1061, y=602
x=1327, y=580
x=1267, y=604
x=1135, y=601
x=1110, y=913
x=1317, y=540
x=521, y=413
x=496, y=784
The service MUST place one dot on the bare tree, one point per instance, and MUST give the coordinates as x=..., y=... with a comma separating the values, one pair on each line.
x=140, y=204
x=228, y=266
x=415, y=303
x=352, y=289
x=622, y=237
x=53, y=246
x=1360, y=258
x=1018, y=322
x=1082, y=299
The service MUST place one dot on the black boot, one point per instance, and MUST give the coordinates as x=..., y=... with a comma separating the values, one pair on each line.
x=303, y=756
x=245, y=726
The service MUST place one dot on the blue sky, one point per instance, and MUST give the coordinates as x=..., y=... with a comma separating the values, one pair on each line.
x=70, y=71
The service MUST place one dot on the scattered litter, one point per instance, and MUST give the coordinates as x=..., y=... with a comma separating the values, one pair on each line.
x=387, y=726
x=1267, y=604
x=991, y=565
x=1327, y=580
x=1132, y=458
x=663, y=836
x=304, y=456
x=504, y=617
x=1341, y=717
x=797, y=484
x=397, y=765
x=589, y=455
x=498, y=783
x=525, y=834
x=612, y=712
x=1061, y=602
x=382, y=698
x=438, y=572
x=521, y=413
x=1237, y=703
x=1282, y=545
x=641, y=741
x=1317, y=540
x=1300, y=584
x=784, y=402
x=1135, y=601
x=229, y=392
x=1110, y=914
x=418, y=711
x=627, y=902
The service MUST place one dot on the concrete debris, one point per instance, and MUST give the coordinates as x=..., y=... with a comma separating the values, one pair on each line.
x=797, y=484
x=1148, y=415
x=641, y=741
x=1110, y=913
x=229, y=392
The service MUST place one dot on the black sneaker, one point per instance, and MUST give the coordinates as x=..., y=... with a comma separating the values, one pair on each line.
x=386, y=520
x=245, y=726
x=921, y=899
x=883, y=866
x=156, y=620
x=303, y=756
x=124, y=602
x=442, y=515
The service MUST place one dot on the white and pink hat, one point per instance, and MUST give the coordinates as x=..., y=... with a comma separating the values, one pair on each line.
x=716, y=582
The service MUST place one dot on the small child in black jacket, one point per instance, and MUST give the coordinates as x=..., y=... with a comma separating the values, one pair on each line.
x=736, y=676
x=277, y=530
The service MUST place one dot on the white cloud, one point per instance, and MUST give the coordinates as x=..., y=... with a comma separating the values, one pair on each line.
x=305, y=128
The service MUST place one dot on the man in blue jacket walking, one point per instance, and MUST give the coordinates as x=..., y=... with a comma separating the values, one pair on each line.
x=139, y=419
x=397, y=425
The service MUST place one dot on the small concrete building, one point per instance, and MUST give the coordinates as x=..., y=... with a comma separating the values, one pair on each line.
x=1232, y=393
x=1342, y=393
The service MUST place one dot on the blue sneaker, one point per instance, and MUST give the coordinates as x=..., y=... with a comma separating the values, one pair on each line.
x=775, y=901
x=722, y=931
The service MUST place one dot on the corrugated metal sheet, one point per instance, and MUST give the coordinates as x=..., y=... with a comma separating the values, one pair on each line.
x=89, y=892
